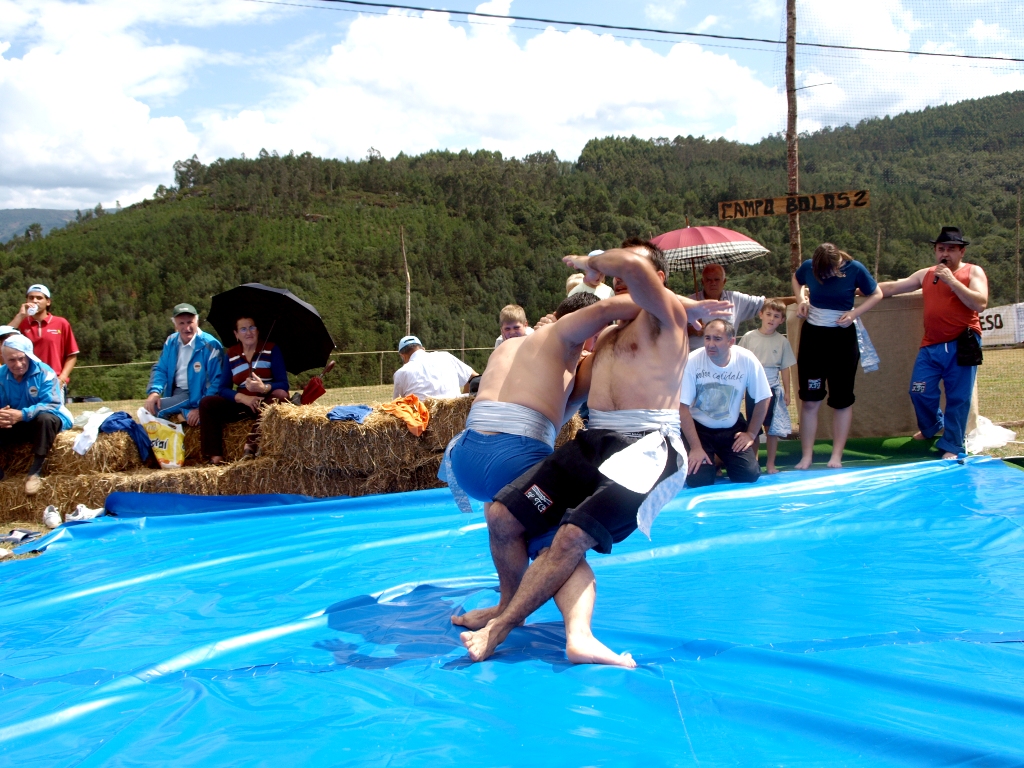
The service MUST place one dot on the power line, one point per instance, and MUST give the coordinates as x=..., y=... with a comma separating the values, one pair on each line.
x=650, y=30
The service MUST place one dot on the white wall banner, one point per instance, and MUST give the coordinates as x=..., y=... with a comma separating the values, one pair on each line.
x=1002, y=325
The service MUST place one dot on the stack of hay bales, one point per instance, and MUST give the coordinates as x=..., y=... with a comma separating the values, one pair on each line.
x=301, y=452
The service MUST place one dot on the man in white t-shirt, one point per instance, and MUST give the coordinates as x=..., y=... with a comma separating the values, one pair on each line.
x=429, y=374
x=715, y=381
x=712, y=280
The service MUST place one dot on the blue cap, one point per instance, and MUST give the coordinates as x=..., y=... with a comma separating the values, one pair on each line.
x=408, y=341
x=38, y=287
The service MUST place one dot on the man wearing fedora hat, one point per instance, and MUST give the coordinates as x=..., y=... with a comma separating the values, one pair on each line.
x=954, y=293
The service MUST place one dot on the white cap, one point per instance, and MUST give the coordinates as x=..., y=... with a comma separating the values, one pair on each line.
x=38, y=287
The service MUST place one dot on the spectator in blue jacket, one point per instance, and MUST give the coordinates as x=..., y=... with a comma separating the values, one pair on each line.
x=31, y=405
x=254, y=374
x=188, y=370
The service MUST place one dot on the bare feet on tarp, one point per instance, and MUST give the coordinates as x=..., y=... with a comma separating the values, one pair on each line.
x=590, y=650
x=805, y=463
x=835, y=463
x=482, y=643
x=477, y=619
x=771, y=470
x=948, y=455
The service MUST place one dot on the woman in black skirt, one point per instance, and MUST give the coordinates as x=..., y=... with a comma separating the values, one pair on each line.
x=828, y=354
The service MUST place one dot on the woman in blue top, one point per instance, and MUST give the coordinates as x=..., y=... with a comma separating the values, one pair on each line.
x=253, y=374
x=828, y=355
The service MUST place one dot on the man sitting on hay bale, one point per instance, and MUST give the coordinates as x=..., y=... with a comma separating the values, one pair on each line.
x=188, y=370
x=31, y=405
x=594, y=491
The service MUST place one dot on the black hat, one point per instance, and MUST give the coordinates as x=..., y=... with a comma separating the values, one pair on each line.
x=951, y=235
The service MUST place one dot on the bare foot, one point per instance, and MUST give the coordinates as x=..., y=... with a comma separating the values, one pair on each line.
x=919, y=436
x=805, y=463
x=835, y=463
x=771, y=470
x=948, y=455
x=590, y=650
x=477, y=619
x=482, y=643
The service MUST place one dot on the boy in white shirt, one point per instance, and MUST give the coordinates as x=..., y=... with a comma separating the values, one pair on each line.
x=776, y=356
x=715, y=380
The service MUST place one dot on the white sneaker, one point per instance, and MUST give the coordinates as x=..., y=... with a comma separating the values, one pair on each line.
x=51, y=517
x=4, y=553
x=83, y=512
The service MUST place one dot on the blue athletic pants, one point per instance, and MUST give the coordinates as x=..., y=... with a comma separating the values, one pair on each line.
x=934, y=363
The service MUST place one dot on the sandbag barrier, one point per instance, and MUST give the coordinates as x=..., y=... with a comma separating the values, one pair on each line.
x=301, y=452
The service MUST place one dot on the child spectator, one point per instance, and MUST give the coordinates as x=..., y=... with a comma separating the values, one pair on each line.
x=513, y=323
x=572, y=281
x=773, y=351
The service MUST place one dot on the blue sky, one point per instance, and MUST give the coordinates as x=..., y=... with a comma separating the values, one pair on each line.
x=102, y=96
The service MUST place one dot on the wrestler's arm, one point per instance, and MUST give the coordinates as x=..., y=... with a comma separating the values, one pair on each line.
x=645, y=287
x=580, y=387
x=578, y=326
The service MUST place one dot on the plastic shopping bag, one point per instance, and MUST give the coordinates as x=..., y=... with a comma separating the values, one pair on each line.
x=167, y=439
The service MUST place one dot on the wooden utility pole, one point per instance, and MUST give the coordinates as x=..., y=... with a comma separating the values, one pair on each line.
x=878, y=253
x=463, y=340
x=1018, y=245
x=792, y=154
x=408, y=286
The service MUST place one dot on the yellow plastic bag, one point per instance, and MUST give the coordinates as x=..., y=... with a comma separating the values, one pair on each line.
x=167, y=439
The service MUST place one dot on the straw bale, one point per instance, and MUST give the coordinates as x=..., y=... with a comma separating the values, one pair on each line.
x=112, y=452
x=235, y=435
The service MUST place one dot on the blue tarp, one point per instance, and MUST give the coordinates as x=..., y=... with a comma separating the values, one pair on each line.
x=857, y=617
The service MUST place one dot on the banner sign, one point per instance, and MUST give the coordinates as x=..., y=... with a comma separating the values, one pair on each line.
x=1002, y=325
x=780, y=206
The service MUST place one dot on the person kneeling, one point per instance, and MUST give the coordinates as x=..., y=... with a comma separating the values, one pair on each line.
x=258, y=372
x=714, y=383
x=31, y=405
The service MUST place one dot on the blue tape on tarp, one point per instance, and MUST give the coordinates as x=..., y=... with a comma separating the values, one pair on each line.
x=855, y=617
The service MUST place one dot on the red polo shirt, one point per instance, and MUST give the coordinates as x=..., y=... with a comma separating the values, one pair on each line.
x=52, y=340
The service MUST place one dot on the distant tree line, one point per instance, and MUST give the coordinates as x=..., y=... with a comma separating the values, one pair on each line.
x=483, y=230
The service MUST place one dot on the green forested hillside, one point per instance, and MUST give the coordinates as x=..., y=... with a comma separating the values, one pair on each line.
x=482, y=231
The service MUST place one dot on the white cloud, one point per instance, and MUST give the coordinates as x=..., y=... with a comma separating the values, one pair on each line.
x=865, y=84
x=986, y=33
x=405, y=83
x=663, y=12
x=706, y=24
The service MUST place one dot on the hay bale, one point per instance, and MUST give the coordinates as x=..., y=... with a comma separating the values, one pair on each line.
x=235, y=436
x=112, y=452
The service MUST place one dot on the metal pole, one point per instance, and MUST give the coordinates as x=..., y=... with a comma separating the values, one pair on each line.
x=408, y=286
x=792, y=153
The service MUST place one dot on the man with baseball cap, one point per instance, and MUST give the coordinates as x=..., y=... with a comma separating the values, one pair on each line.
x=31, y=405
x=52, y=339
x=188, y=370
x=429, y=374
x=954, y=293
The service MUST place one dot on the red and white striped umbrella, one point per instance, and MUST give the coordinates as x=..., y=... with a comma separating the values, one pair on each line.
x=696, y=247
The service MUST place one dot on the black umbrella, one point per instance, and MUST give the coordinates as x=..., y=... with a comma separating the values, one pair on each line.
x=282, y=317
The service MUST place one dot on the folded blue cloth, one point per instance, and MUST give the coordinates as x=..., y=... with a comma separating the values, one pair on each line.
x=356, y=413
x=119, y=421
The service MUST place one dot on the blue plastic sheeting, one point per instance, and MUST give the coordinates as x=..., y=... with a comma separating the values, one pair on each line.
x=157, y=504
x=859, y=617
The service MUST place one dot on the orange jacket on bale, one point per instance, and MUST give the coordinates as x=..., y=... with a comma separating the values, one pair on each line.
x=410, y=410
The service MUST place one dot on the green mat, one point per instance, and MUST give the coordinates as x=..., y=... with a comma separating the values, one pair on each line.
x=863, y=451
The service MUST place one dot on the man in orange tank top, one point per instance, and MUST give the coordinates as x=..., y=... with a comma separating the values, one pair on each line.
x=954, y=293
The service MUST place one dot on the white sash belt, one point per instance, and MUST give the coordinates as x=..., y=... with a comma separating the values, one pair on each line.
x=638, y=466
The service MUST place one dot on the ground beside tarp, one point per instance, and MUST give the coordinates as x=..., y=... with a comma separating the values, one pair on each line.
x=858, y=617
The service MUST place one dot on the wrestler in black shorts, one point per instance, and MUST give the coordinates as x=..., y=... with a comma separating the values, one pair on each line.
x=827, y=361
x=568, y=488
